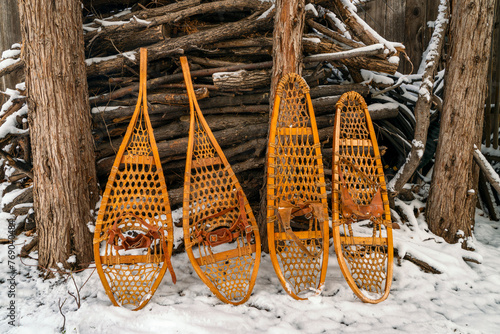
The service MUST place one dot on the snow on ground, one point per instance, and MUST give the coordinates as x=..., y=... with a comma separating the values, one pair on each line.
x=465, y=298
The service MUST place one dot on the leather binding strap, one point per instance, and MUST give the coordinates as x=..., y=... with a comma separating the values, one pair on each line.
x=223, y=235
x=287, y=211
x=139, y=241
x=353, y=211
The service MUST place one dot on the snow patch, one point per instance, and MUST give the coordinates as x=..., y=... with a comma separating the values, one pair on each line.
x=393, y=60
x=87, y=28
x=312, y=39
x=339, y=24
x=139, y=21
x=130, y=55
x=431, y=52
x=10, y=196
x=10, y=123
x=99, y=109
x=370, y=76
x=380, y=106
x=8, y=62
x=419, y=146
x=266, y=13
x=10, y=53
x=391, y=46
x=310, y=7
x=488, y=166
x=490, y=151
x=374, y=47
x=123, y=12
x=105, y=23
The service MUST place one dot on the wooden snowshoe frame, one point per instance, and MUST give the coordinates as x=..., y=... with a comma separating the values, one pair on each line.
x=135, y=215
x=363, y=243
x=220, y=232
x=297, y=208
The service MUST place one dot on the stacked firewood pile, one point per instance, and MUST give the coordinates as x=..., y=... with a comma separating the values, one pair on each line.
x=228, y=44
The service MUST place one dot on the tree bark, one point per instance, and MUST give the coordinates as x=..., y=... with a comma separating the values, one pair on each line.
x=287, y=57
x=287, y=40
x=452, y=199
x=65, y=188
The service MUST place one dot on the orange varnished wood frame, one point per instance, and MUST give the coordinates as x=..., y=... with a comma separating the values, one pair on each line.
x=145, y=198
x=377, y=241
x=211, y=256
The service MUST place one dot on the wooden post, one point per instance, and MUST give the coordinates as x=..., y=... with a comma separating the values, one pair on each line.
x=287, y=57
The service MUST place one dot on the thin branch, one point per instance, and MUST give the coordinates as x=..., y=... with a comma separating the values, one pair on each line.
x=60, y=311
x=77, y=297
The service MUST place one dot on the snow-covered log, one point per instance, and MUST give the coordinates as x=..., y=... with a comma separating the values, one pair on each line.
x=486, y=168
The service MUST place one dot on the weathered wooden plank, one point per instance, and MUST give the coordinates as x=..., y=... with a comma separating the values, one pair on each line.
x=10, y=33
x=415, y=26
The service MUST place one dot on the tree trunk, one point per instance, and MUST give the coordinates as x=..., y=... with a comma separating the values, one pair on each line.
x=287, y=57
x=65, y=187
x=452, y=199
x=10, y=33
